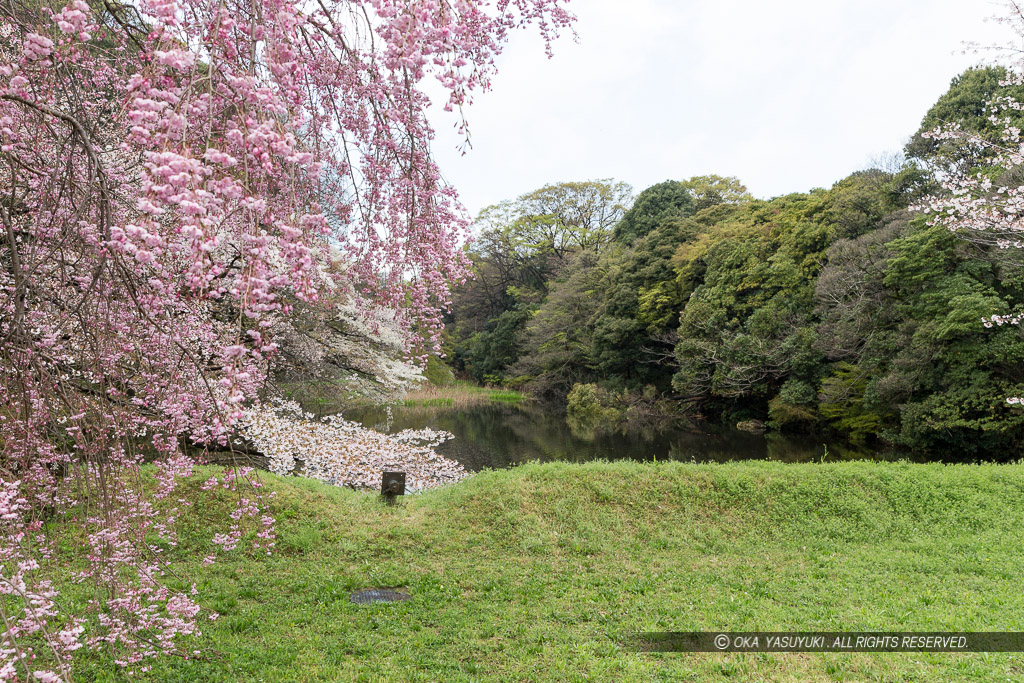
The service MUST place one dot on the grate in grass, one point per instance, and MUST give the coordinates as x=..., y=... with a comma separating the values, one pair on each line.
x=370, y=595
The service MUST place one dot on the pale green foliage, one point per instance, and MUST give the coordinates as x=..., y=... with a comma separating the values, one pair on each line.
x=559, y=219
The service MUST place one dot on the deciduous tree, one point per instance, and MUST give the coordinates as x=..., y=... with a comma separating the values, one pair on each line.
x=175, y=175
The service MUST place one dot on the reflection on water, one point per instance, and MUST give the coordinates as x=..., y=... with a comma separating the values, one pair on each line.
x=499, y=436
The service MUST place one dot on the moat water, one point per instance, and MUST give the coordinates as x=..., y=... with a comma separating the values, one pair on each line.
x=500, y=435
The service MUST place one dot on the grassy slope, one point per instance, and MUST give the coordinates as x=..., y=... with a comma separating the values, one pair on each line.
x=329, y=397
x=535, y=573
x=460, y=394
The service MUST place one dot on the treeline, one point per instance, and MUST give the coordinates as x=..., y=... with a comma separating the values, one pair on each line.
x=836, y=310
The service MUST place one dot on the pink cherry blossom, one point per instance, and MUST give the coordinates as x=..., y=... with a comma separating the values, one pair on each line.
x=972, y=203
x=179, y=177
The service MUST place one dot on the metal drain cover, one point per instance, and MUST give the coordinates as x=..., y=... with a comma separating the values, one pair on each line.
x=365, y=597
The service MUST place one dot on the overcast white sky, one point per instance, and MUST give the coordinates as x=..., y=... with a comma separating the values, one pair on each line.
x=786, y=95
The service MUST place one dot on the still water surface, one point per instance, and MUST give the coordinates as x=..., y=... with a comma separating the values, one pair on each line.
x=499, y=436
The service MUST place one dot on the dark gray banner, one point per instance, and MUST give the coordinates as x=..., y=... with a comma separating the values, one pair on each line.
x=819, y=641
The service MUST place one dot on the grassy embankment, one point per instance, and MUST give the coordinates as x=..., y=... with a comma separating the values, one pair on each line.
x=460, y=395
x=536, y=573
x=327, y=397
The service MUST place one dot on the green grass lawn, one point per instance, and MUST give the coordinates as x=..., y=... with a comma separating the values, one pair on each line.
x=330, y=397
x=460, y=394
x=538, y=573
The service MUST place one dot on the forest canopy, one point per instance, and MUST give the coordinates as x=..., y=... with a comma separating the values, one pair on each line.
x=839, y=310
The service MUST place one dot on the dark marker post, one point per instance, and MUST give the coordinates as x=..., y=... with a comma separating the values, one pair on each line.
x=392, y=485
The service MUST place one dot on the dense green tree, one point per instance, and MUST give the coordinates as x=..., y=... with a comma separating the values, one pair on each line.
x=669, y=199
x=943, y=287
x=836, y=310
x=712, y=190
x=746, y=326
x=641, y=304
x=522, y=245
x=965, y=105
x=559, y=219
x=486, y=355
x=559, y=349
x=901, y=310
